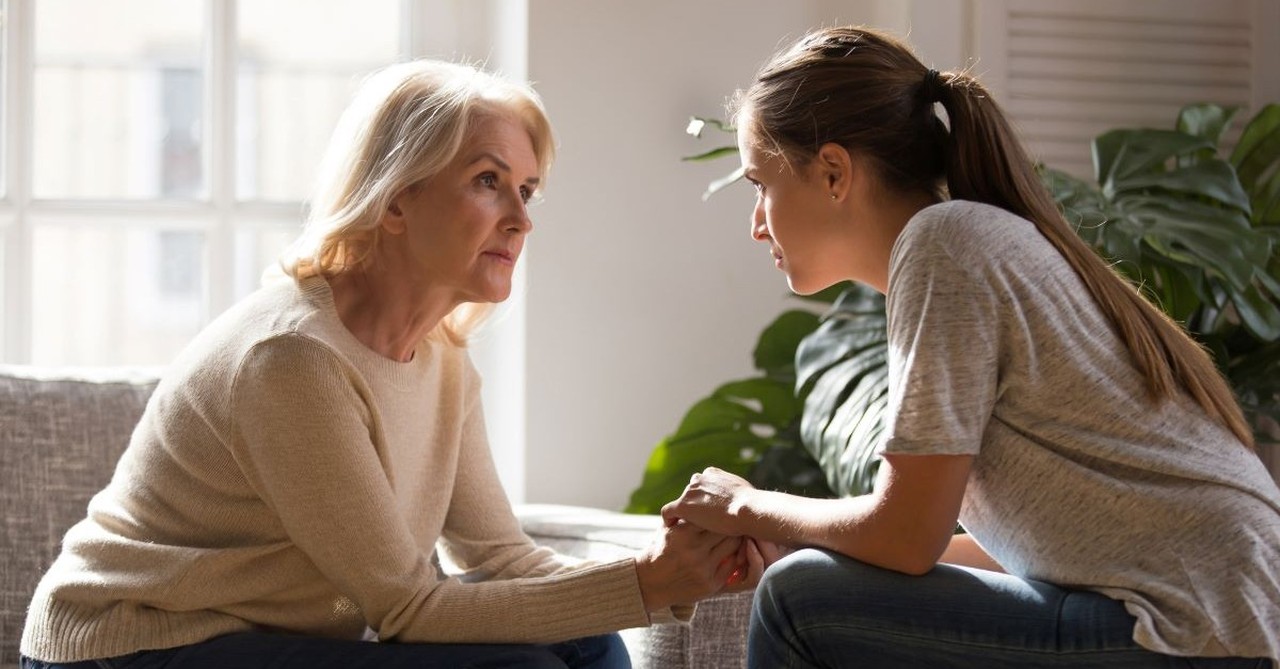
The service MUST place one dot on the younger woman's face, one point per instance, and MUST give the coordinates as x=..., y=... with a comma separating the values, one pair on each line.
x=793, y=215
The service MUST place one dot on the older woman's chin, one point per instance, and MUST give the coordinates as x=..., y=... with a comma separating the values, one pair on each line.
x=493, y=295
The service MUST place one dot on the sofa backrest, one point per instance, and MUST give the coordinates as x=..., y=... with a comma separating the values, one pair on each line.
x=61, y=433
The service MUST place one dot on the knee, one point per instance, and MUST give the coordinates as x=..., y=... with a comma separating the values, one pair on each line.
x=790, y=578
x=801, y=570
x=815, y=578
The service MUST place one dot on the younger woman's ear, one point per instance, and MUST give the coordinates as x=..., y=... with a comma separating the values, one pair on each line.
x=836, y=166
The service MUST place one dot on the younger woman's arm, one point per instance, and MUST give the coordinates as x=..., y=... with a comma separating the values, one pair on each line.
x=905, y=525
x=966, y=552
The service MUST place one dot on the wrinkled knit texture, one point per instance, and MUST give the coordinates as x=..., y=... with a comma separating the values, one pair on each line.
x=285, y=477
x=997, y=350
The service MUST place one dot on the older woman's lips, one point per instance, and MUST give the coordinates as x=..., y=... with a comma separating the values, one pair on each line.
x=504, y=257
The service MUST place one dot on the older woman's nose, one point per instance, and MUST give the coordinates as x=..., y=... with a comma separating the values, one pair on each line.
x=518, y=219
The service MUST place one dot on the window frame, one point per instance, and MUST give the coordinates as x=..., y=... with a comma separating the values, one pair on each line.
x=219, y=216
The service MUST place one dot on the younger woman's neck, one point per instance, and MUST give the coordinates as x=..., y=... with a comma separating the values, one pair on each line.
x=888, y=216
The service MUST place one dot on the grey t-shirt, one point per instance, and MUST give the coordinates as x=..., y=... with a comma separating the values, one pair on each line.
x=997, y=349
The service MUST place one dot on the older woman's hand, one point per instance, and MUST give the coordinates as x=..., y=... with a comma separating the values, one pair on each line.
x=714, y=500
x=685, y=564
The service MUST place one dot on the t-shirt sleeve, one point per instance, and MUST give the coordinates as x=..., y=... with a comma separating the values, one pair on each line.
x=943, y=331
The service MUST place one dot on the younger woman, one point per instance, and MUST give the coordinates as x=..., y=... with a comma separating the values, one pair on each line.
x=1089, y=447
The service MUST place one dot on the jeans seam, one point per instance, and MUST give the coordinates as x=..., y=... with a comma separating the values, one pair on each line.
x=930, y=640
x=1057, y=623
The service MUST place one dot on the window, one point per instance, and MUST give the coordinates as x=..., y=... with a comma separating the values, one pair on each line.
x=156, y=156
x=156, y=153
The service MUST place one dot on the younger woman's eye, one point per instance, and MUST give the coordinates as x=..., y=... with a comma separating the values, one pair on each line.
x=526, y=194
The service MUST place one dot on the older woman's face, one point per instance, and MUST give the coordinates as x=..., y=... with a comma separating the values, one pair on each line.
x=464, y=228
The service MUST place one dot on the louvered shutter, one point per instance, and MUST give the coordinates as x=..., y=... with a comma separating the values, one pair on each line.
x=1066, y=72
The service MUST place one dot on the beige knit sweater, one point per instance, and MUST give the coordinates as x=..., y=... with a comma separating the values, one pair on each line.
x=286, y=477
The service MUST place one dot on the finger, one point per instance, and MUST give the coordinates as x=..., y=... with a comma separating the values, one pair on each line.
x=770, y=551
x=747, y=577
x=755, y=563
x=724, y=572
x=725, y=548
x=671, y=513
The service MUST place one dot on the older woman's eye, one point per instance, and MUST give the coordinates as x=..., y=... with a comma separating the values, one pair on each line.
x=489, y=180
x=526, y=194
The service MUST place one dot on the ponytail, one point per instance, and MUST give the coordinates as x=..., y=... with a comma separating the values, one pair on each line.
x=864, y=90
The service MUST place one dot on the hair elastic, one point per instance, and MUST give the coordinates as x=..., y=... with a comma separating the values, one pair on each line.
x=931, y=86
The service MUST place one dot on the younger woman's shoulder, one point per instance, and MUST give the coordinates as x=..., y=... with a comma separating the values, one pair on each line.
x=962, y=227
x=964, y=217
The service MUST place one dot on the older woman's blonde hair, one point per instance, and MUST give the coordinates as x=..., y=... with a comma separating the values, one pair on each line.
x=405, y=124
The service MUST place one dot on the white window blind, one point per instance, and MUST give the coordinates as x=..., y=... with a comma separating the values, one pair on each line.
x=1066, y=72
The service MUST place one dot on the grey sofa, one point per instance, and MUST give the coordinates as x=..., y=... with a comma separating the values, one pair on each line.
x=61, y=432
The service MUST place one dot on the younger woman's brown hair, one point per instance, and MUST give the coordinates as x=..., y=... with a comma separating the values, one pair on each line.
x=866, y=91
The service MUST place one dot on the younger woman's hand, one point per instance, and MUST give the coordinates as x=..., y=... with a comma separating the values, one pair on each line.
x=713, y=500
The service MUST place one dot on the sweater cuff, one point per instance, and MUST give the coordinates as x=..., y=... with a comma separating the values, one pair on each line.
x=679, y=613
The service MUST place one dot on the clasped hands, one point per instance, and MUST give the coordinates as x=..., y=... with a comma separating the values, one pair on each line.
x=705, y=546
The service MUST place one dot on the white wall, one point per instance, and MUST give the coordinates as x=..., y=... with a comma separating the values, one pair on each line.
x=641, y=297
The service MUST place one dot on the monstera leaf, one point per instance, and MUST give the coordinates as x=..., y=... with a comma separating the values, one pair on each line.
x=749, y=427
x=1178, y=220
x=842, y=370
x=1256, y=159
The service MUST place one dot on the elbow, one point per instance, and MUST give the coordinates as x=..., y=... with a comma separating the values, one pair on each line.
x=917, y=566
x=899, y=558
x=916, y=558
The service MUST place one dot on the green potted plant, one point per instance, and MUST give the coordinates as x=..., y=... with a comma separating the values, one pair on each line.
x=1199, y=231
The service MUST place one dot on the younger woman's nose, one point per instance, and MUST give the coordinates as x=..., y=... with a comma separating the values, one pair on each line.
x=759, y=231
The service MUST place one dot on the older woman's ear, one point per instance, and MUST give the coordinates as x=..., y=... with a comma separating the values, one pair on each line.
x=393, y=219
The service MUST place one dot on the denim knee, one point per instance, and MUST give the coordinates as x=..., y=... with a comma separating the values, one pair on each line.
x=804, y=579
x=788, y=579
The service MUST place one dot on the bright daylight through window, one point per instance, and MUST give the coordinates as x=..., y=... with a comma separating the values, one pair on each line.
x=156, y=157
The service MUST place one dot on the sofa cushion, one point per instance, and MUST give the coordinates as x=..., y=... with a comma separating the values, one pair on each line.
x=61, y=433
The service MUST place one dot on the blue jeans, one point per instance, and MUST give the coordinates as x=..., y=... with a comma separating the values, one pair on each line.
x=256, y=650
x=820, y=609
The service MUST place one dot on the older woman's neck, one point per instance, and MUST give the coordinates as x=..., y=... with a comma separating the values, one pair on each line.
x=385, y=313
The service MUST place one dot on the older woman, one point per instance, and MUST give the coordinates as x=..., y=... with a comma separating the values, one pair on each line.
x=291, y=477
